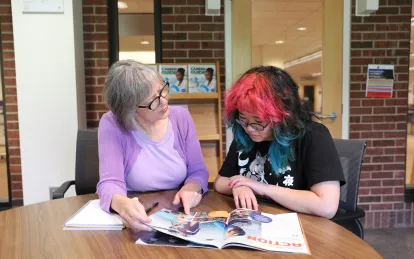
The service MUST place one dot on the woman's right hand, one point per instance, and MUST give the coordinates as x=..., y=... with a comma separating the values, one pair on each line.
x=244, y=198
x=131, y=211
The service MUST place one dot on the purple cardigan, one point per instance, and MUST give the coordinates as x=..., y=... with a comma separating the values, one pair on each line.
x=118, y=151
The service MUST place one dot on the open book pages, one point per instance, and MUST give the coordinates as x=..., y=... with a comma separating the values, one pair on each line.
x=243, y=227
x=92, y=217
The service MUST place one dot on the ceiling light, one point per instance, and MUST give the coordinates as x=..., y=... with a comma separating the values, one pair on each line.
x=411, y=41
x=303, y=59
x=316, y=74
x=411, y=54
x=302, y=29
x=122, y=5
x=279, y=42
x=412, y=19
x=145, y=42
x=411, y=68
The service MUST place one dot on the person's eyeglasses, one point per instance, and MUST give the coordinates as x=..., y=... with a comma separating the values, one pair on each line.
x=255, y=126
x=153, y=105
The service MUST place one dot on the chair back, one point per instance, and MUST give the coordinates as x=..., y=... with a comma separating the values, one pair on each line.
x=87, y=162
x=351, y=153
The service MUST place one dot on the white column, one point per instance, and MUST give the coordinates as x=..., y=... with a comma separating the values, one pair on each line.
x=51, y=95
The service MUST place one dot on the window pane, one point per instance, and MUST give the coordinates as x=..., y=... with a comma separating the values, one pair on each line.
x=136, y=30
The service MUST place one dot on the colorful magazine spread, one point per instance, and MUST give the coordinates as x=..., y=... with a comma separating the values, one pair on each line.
x=243, y=227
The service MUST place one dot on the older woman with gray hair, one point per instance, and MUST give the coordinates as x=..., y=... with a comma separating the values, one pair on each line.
x=145, y=145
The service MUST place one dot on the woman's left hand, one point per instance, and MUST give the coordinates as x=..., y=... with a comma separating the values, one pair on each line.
x=238, y=180
x=189, y=195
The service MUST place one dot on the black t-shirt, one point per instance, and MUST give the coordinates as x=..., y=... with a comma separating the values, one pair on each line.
x=316, y=161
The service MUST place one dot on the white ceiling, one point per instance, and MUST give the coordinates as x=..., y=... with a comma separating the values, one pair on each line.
x=274, y=20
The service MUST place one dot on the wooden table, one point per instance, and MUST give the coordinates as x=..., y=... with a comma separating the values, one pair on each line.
x=35, y=231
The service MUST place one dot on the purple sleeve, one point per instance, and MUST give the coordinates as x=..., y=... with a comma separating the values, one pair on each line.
x=111, y=167
x=196, y=168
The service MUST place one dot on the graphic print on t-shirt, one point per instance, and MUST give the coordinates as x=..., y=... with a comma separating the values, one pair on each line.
x=259, y=169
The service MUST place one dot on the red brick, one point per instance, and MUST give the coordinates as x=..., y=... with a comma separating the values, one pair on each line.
x=174, y=53
x=213, y=45
x=362, y=27
x=382, y=190
x=382, y=175
x=395, y=151
x=199, y=18
x=369, y=199
x=374, y=151
x=392, y=198
x=96, y=54
x=95, y=19
x=101, y=10
x=374, y=36
x=366, y=119
x=187, y=27
x=200, y=53
x=360, y=127
x=174, y=36
x=384, y=110
x=187, y=45
x=186, y=10
x=399, y=19
x=167, y=27
x=354, y=135
x=173, y=18
x=370, y=183
x=361, y=111
x=195, y=2
x=386, y=44
x=383, y=206
x=375, y=134
x=212, y=27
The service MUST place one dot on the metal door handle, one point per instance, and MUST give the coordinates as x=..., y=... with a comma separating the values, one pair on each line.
x=331, y=116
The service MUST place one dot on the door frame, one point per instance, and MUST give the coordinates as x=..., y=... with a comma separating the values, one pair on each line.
x=346, y=51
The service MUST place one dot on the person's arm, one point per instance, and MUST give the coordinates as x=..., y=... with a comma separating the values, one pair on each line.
x=196, y=168
x=221, y=185
x=196, y=182
x=111, y=168
x=322, y=200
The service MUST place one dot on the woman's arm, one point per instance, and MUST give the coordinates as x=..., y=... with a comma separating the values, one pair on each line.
x=221, y=185
x=111, y=167
x=196, y=168
x=322, y=199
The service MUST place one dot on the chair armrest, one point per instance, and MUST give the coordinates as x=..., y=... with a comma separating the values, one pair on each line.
x=347, y=215
x=59, y=193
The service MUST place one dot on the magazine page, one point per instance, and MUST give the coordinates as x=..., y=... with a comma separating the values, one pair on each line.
x=263, y=231
x=176, y=76
x=197, y=227
x=202, y=78
x=157, y=238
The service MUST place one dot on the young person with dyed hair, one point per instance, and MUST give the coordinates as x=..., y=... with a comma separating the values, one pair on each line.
x=278, y=151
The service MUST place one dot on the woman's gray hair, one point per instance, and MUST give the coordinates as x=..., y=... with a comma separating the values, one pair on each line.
x=128, y=83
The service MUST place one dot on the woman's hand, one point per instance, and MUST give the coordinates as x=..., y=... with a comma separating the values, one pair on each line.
x=257, y=187
x=244, y=198
x=189, y=195
x=131, y=211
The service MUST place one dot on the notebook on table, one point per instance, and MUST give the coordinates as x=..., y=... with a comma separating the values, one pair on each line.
x=92, y=217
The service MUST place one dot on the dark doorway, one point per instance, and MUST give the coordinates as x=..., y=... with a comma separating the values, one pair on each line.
x=309, y=97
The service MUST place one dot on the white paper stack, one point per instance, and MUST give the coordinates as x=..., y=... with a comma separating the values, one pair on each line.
x=92, y=217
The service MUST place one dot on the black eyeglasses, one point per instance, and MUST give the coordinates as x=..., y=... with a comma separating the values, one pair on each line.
x=255, y=126
x=153, y=105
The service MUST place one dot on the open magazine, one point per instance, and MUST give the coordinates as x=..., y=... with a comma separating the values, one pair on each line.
x=243, y=227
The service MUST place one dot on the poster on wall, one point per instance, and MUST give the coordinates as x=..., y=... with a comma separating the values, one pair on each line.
x=176, y=76
x=202, y=78
x=380, y=81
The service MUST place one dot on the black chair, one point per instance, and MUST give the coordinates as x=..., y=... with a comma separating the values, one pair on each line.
x=87, y=165
x=351, y=153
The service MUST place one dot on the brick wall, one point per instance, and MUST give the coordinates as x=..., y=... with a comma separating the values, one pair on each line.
x=95, y=33
x=190, y=36
x=10, y=99
x=382, y=38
